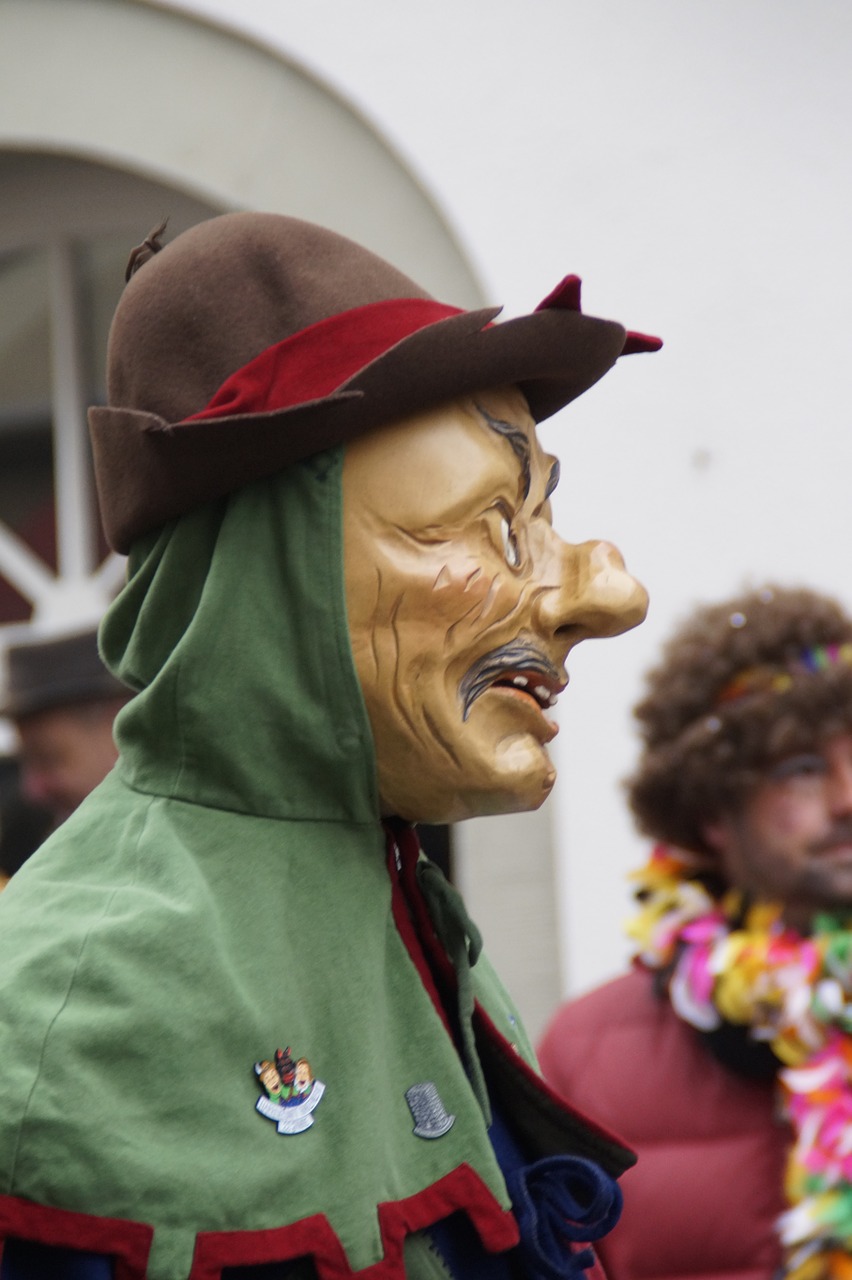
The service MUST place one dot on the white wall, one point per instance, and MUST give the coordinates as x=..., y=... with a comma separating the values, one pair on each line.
x=692, y=162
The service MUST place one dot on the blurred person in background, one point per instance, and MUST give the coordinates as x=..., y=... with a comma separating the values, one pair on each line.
x=725, y=1056
x=61, y=701
x=23, y=826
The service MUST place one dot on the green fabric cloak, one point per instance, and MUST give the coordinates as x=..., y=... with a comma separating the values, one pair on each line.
x=224, y=893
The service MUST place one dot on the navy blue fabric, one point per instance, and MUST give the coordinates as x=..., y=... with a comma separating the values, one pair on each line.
x=560, y=1201
x=25, y=1261
x=461, y=1251
x=455, y=1239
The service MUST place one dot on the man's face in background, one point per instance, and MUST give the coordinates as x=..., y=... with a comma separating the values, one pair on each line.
x=64, y=752
x=791, y=840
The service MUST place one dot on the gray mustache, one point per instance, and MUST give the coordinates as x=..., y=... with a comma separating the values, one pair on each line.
x=513, y=656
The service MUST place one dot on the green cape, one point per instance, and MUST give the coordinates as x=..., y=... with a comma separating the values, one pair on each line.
x=222, y=894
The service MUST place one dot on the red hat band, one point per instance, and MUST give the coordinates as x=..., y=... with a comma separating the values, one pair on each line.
x=316, y=361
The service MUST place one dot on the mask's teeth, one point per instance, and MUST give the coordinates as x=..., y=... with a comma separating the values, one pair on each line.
x=521, y=681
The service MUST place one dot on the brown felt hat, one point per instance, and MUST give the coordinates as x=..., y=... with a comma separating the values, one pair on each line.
x=254, y=340
x=44, y=674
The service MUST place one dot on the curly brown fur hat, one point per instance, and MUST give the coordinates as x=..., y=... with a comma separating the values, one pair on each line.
x=740, y=685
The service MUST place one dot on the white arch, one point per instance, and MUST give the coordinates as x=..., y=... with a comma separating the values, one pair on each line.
x=210, y=112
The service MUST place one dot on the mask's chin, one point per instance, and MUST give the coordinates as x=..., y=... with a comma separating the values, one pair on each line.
x=526, y=760
x=513, y=778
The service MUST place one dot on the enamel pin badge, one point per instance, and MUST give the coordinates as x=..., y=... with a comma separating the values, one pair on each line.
x=292, y=1093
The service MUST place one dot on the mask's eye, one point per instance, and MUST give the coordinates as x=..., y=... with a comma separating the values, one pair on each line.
x=510, y=544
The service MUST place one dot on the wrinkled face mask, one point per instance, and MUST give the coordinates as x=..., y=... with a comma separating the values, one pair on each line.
x=463, y=604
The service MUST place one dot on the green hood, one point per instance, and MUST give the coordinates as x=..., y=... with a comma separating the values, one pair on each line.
x=233, y=631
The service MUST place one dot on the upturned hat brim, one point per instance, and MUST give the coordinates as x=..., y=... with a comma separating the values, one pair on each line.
x=151, y=468
x=150, y=471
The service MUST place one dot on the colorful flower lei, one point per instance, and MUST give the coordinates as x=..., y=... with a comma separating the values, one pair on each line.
x=727, y=961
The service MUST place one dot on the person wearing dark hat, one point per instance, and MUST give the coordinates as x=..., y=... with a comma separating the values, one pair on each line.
x=23, y=826
x=346, y=611
x=725, y=1056
x=62, y=701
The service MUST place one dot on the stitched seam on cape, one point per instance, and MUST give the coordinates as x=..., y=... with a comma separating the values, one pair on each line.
x=63, y=1005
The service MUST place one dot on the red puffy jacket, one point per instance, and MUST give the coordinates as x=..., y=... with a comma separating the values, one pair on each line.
x=704, y=1196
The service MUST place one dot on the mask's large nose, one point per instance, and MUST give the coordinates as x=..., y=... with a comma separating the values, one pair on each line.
x=593, y=594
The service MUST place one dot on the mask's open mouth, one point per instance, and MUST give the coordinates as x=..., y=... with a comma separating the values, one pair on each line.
x=530, y=682
x=516, y=666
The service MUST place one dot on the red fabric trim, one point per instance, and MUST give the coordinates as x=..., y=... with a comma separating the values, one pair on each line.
x=401, y=879
x=316, y=361
x=565, y=297
x=462, y=1189
x=409, y=853
x=129, y=1243
x=409, y=850
x=639, y=342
